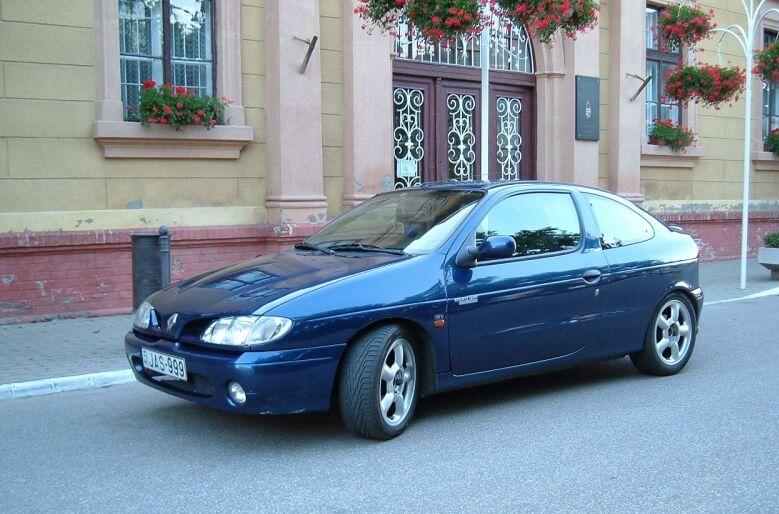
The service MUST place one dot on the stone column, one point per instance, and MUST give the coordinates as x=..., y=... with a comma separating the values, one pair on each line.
x=294, y=115
x=108, y=102
x=553, y=114
x=626, y=127
x=228, y=49
x=368, y=157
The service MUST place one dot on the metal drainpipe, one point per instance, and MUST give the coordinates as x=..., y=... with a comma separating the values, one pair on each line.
x=484, y=54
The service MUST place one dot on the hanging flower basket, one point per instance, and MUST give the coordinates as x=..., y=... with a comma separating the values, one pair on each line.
x=683, y=24
x=382, y=14
x=544, y=17
x=767, y=63
x=178, y=107
x=670, y=134
x=434, y=20
x=445, y=20
x=709, y=84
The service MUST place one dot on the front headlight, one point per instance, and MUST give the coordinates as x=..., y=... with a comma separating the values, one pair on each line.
x=143, y=315
x=246, y=330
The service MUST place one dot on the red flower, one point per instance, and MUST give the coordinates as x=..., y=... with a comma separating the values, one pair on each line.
x=180, y=105
x=149, y=84
x=213, y=122
x=164, y=121
x=166, y=109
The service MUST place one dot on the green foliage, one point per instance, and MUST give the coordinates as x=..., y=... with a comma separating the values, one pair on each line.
x=772, y=240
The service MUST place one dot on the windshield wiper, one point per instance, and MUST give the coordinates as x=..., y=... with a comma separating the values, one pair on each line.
x=316, y=248
x=363, y=247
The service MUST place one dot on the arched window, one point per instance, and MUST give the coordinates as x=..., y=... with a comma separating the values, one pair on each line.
x=510, y=49
x=440, y=94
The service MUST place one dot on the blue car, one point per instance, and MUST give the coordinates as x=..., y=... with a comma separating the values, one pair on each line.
x=423, y=290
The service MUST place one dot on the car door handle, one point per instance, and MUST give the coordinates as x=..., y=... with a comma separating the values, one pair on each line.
x=591, y=276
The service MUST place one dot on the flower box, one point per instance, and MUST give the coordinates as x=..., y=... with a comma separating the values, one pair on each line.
x=670, y=134
x=769, y=258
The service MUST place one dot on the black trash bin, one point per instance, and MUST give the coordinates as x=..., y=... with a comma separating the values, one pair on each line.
x=151, y=264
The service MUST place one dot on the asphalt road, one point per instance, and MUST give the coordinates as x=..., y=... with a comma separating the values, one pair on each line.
x=598, y=438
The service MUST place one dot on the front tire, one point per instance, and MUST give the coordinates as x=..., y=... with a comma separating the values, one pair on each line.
x=670, y=338
x=378, y=383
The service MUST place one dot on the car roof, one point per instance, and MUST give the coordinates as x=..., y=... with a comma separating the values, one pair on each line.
x=485, y=186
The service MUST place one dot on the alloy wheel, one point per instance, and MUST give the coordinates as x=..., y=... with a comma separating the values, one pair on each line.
x=398, y=380
x=673, y=331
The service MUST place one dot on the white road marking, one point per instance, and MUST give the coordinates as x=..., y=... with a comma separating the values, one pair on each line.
x=61, y=384
x=761, y=294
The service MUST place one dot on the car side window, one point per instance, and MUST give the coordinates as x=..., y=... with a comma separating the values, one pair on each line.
x=619, y=225
x=539, y=223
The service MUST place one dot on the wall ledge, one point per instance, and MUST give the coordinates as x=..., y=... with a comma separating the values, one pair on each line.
x=124, y=139
x=765, y=161
x=656, y=156
x=180, y=237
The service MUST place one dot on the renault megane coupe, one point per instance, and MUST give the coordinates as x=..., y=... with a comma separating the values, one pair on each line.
x=423, y=290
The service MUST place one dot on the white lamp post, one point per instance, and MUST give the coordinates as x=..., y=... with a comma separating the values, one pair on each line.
x=746, y=39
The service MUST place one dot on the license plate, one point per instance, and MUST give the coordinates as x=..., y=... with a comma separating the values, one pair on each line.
x=169, y=365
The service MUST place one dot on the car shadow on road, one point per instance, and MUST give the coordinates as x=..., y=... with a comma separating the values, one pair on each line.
x=258, y=432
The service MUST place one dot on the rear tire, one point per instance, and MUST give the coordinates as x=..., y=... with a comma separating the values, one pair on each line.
x=670, y=337
x=378, y=383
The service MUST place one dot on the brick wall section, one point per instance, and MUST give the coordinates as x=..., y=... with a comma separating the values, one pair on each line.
x=67, y=274
x=718, y=233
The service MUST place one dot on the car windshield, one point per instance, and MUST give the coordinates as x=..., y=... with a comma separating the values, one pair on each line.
x=413, y=221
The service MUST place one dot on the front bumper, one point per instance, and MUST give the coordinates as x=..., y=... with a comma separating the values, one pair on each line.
x=697, y=293
x=276, y=382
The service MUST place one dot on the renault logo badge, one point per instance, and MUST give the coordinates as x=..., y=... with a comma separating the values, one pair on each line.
x=172, y=320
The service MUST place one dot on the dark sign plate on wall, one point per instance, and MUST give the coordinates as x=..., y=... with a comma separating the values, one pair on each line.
x=587, y=108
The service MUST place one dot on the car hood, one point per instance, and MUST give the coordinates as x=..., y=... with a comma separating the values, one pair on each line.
x=247, y=287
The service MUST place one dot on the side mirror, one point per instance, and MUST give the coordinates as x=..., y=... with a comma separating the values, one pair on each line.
x=676, y=228
x=493, y=247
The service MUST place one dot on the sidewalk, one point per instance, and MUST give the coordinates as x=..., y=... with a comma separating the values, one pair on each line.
x=89, y=345
x=60, y=348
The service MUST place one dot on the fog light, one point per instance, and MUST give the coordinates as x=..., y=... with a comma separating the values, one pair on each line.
x=237, y=394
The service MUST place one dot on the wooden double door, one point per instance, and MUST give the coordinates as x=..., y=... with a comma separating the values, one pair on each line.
x=437, y=124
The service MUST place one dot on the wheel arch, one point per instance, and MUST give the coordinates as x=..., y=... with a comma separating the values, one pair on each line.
x=689, y=292
x=420, y=340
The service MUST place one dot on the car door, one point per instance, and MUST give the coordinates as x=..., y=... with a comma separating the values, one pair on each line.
x=638, y=277
x=544, y=302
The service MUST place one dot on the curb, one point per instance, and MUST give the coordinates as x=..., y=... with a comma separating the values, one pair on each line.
x=62, y=384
